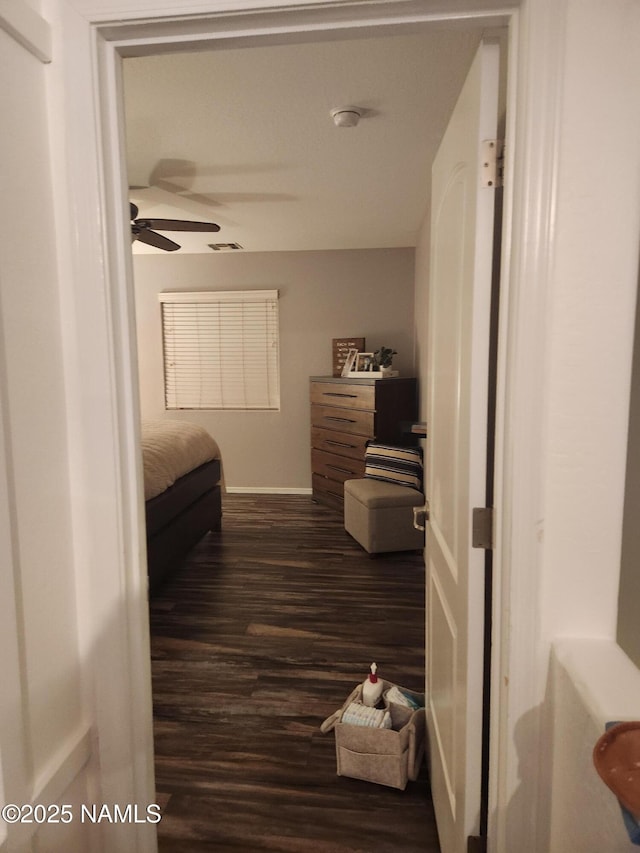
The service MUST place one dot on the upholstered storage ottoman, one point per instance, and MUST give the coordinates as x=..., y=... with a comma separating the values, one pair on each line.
x=379, y=515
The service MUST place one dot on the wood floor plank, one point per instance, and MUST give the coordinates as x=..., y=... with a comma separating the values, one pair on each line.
x=261, y=634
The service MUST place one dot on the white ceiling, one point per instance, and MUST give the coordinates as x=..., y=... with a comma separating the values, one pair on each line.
x=244, y=137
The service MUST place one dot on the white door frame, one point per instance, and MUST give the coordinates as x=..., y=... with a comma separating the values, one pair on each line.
x=95, y=186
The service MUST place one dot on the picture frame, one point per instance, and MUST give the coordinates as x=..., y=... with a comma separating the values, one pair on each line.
x=365, y=362
x=341, y=347
x=349, y=362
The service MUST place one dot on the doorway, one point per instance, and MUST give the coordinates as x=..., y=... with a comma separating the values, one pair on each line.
x=191, y=191
x=129, y=49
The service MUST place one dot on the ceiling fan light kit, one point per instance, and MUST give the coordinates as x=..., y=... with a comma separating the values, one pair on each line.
x=346, y=116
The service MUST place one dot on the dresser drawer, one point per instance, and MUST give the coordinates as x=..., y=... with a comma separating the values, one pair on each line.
x=328, y=491
x=341, y=443
x=343, y=420
x=337, y=394
x=336, y=467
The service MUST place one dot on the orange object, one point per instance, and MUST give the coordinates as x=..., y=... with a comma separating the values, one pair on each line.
x=616, y=756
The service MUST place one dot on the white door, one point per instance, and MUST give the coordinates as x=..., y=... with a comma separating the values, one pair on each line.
x=456, y=457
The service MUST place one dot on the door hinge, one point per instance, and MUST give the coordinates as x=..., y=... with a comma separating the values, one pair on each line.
x=477, y=844
x=482, y=527
x=492, y=163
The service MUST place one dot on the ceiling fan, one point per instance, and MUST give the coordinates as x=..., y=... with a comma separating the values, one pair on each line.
x=142, y=229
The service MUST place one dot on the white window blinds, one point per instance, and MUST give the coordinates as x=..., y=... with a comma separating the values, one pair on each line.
x=221, y=349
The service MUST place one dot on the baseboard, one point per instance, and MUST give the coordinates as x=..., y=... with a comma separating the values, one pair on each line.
x=266, y=490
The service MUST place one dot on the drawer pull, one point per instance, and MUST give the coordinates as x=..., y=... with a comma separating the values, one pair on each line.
x=340, y=420
x=337, y=394
x=341, y=470
x=340, y=443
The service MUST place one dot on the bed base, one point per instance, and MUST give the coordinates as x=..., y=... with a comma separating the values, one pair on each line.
x=178, y=518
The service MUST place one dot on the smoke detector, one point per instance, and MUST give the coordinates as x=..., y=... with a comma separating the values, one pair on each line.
x=346, y=116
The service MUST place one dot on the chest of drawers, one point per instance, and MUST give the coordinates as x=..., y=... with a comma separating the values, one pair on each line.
x=347, y=413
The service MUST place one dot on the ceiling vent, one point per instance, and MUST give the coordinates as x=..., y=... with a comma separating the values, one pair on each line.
x=224, y=247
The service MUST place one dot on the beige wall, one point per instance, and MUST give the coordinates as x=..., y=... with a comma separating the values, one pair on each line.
x=323, y=295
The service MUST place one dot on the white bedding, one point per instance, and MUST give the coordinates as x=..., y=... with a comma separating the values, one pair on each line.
x=171, y=449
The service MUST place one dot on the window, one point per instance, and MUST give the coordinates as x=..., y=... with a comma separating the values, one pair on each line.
x=220, y=349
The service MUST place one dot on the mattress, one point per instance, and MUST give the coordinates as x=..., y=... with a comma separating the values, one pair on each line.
x=171, y=449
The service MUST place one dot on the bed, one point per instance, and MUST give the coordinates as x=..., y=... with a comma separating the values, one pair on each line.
x=182, y=489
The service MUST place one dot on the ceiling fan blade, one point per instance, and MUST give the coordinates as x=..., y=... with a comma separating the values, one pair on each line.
x=153, y=239
x=177, y=225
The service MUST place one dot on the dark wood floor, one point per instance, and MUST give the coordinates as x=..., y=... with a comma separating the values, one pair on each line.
x=261, y=635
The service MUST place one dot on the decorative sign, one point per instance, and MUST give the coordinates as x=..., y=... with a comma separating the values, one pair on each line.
x=341, y=347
